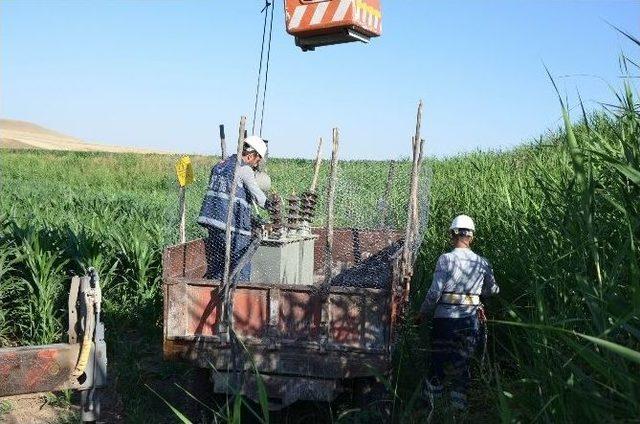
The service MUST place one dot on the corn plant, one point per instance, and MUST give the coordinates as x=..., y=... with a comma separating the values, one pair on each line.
x=559, y=218
x=44, y=277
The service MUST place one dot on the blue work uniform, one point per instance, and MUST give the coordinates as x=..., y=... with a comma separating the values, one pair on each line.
x=460, y=278
x=213, y=215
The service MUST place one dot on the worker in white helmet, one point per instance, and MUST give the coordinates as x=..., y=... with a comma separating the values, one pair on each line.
x=213, y=213
x=460, y=278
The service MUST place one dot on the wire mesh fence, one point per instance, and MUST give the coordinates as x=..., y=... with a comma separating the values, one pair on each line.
x=371, y=213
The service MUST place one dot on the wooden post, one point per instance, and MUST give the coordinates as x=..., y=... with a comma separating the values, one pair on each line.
x=182, y=205
x=223, y=143
x=415, y=210
x=316, y=170
x=331, y=194
x=226, y=309
x=325, y=288
x=407, y=255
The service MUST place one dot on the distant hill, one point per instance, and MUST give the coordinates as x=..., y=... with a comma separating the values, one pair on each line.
x=26, y=135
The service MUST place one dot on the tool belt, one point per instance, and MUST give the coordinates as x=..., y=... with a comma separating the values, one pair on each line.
x=460, y=299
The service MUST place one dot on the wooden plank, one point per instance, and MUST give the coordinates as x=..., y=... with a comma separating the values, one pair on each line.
x=32, y=369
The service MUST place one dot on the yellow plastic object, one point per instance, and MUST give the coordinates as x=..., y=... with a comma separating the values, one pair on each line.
x=184, y=171
x=85, y=348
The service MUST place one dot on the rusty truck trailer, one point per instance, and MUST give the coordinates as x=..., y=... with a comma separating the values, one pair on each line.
x=298, y=356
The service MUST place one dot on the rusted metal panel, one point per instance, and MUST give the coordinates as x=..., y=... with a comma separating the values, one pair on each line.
x=195, y=260
x=184, y=260
x=375, y=329
x=250, y=311
x=203, y=309
x=347, y=316
x=299, y=315
x=175, y=310
x=32, y=369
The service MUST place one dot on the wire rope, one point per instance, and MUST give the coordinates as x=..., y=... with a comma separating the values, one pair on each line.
x=264, y=10
x=266, y=73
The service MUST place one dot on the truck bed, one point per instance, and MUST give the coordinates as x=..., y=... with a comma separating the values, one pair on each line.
x=281, y=325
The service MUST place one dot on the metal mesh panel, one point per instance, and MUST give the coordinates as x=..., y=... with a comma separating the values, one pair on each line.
x=371, y=212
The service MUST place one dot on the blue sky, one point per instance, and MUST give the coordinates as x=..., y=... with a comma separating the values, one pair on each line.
x=164, y=74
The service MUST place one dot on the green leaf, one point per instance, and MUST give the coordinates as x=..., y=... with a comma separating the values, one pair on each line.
x=178, y=414
x=623, y=351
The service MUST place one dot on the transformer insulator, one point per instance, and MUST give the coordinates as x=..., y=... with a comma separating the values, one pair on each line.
x=293, y=212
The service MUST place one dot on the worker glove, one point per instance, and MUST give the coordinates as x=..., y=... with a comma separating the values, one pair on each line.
x=268, y=204
x=271, y=202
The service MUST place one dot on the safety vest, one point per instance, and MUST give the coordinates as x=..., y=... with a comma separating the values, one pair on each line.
x=215, y=205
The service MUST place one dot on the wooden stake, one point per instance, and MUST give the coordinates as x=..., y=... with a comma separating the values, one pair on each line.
x=223, y=143
x=316, y=170
x=407, y=255
x=331, y=194
x=227, y=248
x=182, y=205
x=415, y=209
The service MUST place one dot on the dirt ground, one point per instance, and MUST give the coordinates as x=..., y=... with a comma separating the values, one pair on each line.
x=64, y=407
x=55, y=408
x=34, y=408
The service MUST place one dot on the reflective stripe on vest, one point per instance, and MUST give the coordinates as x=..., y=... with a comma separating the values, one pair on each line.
x=219, y=224
x=225, y=196
x=216, y=201
x=460, y=299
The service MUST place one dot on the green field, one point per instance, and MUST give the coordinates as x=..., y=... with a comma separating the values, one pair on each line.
x=559, y=218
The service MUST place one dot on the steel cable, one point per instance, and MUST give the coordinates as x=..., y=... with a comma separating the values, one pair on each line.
x=266, y=73
x=265, y=9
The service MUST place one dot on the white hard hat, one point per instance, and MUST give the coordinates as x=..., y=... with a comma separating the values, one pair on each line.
x=257, y=144
x=462, y=222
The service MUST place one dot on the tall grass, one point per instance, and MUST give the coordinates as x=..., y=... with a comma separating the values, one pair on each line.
x=559, y=219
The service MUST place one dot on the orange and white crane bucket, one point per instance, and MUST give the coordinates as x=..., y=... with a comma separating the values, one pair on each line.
x=317, y=23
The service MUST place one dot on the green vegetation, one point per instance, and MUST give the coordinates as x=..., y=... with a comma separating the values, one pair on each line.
x=5, y=407
x=558, y=218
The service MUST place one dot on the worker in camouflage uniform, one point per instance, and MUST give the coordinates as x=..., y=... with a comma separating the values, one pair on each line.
x=213, y=214
x=460, y=278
